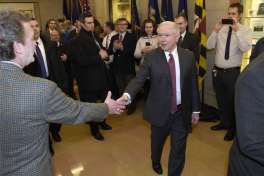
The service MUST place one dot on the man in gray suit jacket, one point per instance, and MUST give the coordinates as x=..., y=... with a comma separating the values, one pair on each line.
x=247, y=152
x=29, y=103
x=173, y=97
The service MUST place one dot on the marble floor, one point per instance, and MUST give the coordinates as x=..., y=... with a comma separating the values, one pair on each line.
x=126, y=150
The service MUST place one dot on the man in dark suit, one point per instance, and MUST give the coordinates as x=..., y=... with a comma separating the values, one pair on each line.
x=122, y=46
x=247, y=151
x=187, y=40
x=88, y=58
x=173, y=97
x=29, y=103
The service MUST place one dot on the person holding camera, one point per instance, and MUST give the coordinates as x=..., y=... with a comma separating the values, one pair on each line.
x=145, y=44
x=148, y=41
x=230, y=39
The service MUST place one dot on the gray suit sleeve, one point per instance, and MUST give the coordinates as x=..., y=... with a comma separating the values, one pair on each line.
x=249, y=103
x=59, y=108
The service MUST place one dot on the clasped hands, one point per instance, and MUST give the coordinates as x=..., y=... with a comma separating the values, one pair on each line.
x=116, y=106
x=118, y=45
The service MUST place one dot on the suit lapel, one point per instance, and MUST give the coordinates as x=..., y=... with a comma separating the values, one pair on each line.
x=181, y=63
x=164, y=64
x=185, y=40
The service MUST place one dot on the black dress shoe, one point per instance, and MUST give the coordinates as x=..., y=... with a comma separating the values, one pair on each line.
x=218, y=127
x=157, y=168
x=229, y=135
x=98, y=136
x=56, y=137
x=105, y=126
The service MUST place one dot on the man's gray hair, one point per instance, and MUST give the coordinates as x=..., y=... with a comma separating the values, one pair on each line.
x=171, y=24
x=11, y=30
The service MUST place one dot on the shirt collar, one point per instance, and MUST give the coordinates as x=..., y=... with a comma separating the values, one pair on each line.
x=183, y=34
x=39, y=41
x=13, y=63
x=174, y=53
x=123, y=34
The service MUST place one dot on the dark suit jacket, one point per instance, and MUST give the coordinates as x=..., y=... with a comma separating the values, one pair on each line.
x=257, y=50
x=55, y=66
x=247, y=152
x=155, y=66
x=89, y=68
x=124, y=61
x=191, y=42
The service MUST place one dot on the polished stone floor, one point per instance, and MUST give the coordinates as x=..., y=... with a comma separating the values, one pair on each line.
x=126, y=150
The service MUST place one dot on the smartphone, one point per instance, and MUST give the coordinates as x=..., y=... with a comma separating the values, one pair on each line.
x=227, y=21
x=147, y=43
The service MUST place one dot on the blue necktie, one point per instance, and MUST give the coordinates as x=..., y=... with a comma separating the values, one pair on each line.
x=41, y=62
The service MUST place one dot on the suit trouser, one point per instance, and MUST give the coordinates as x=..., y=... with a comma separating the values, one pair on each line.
x=177, y=129
x=224, y=85
x=54, y=128
x=93, y=97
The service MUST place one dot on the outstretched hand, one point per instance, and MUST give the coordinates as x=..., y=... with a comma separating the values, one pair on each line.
x=115, y=107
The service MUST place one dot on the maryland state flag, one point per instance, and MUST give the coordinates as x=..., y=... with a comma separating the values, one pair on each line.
x=153, y=11
x=200, y=27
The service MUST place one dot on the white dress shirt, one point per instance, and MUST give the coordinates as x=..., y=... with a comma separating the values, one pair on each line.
x=42, y=49
x=183, y=35
x=178, y=73
x=240, y=43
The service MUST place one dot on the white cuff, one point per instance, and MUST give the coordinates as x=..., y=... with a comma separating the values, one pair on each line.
x=129, y=97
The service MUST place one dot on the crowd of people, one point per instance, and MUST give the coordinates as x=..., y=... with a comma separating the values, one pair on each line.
x=110, y=65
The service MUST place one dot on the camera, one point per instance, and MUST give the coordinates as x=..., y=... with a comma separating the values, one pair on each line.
x=148, y=44
x=227, y=21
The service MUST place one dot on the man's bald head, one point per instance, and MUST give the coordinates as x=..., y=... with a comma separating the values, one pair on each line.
x=170, y=25
x=169, y=35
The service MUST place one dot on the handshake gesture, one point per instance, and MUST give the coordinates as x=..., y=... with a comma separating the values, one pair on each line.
x=124, y=99
x=116, y=106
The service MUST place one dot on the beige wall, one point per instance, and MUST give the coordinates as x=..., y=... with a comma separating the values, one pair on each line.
x=44, y=9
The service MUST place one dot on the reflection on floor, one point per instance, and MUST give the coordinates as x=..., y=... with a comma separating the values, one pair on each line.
x=126, y=150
